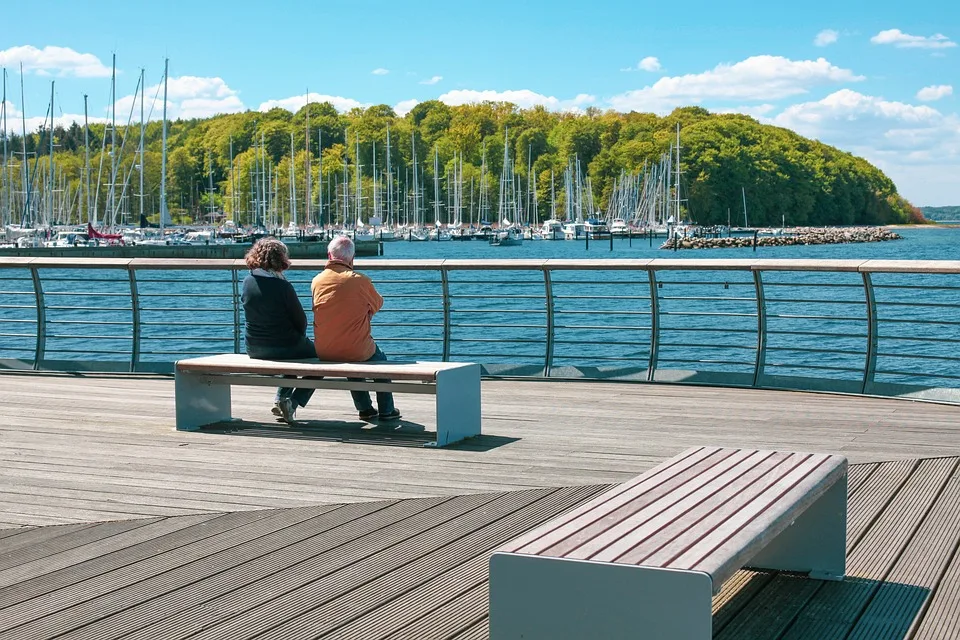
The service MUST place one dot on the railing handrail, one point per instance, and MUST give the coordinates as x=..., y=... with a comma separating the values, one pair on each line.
x=555, y=264
x=544, y=312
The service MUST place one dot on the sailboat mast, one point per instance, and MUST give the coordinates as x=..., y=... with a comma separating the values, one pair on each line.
x=51, y=176
x=293, y=184
x=142, y=131
x=308, y=163
x=320, y=176
x=25, y=218
x=743, y=192
x=413, y=145
x=113, y=141
x=163, y=155
x=677, y=186
x=436, y=185
x=357, y=175
x=233, y=187
x=4, y=183
x=86, y=158
x=389, y=183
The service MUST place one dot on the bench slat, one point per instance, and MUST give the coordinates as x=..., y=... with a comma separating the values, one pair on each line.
x=558, y=529
x=705, y=510
x=241, y=363
x=686, y=529
x=733, y=543
x=593, y=540
x=249, y=380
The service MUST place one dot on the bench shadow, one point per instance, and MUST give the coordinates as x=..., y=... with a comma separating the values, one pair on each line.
x=769, y=604
x=401, y=434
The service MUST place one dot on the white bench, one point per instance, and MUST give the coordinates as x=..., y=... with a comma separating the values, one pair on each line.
x=643, y=560
x=202, y=387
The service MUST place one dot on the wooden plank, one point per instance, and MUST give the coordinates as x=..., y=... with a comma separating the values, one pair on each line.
x=55, y=613
x=89, y=570
x=871, y=560
x=476, y=538
x=257, y=606
x=160, y=600
x=111, y=437
x=897, y=608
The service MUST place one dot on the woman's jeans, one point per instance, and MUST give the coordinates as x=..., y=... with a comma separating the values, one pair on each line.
x=303, y=350
x=361, y=399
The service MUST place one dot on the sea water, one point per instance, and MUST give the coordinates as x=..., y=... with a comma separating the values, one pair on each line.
x=601, y=320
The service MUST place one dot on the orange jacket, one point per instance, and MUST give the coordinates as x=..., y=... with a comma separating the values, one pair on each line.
x=344, y=301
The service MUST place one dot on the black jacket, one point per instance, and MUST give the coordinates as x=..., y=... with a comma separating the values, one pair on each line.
x=274, y=315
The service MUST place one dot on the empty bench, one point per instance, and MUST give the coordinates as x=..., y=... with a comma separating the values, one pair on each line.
x=202, y=387
x=643, y=560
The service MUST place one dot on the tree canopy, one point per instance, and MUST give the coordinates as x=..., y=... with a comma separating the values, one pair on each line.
x=724, y=159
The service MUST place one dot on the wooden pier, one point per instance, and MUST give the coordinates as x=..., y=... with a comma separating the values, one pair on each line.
x=114, y=525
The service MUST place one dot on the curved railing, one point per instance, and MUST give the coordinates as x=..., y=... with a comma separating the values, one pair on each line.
x=857, y=326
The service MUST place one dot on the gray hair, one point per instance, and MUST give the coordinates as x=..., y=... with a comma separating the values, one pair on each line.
x=341, y=248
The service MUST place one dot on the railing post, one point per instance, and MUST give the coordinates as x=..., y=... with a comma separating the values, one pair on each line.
x=654, y=324
x=870, y=364
x=761, y=328
x=235, y=278
x=41, y=345
x=135, y=312
x=445, y=289
x=548, y=299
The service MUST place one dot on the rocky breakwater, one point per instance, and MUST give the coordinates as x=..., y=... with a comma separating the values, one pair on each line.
x=785, y=237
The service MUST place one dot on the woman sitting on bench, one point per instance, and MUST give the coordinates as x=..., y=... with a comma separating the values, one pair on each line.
x=276, y=325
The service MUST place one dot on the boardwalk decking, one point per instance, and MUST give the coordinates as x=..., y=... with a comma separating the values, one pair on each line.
x=113, y=525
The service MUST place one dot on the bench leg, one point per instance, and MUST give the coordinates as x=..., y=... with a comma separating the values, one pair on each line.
x=549, y=598
x=816, y=541
x=458, y=404
x=199, y=402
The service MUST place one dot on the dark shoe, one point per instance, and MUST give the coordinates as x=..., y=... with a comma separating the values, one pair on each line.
x=390, y=417
x=288, y=410
x=368, y=414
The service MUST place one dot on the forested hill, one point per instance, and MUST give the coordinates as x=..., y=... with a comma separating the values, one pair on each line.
x=723, y=157
x=941, y=213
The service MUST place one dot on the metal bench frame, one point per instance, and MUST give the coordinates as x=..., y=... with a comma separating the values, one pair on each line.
x=202, y=387
x=645, y=558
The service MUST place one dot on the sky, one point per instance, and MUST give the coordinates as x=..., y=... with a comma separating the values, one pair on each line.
x=882, y=83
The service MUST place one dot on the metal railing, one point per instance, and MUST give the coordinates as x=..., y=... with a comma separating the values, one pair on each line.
x=857, y=326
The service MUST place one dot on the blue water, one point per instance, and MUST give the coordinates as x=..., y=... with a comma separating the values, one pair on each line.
x=601, y=322
x=938, y=243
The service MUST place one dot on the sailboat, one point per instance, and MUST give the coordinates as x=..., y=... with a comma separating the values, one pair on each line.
x=510, y=233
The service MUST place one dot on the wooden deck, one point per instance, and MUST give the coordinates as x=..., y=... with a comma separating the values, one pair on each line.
x=114, y=525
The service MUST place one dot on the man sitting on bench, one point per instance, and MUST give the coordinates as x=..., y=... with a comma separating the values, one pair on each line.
x=344, y=301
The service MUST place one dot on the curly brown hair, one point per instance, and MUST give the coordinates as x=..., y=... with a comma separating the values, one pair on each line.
x=269, y=254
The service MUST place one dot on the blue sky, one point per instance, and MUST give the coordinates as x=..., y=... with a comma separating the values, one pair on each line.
x=883, y=84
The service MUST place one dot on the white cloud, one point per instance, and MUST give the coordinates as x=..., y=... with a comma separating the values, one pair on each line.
x=187, y=97
x=935, y=92
x=756, y=78
x=650, y=63
x=433, y=80
x=380, y=71
x=403, y=107
x=523, y=98
x=906, y=41
x=826, y=37
x=295, y=103
x=54, y=61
